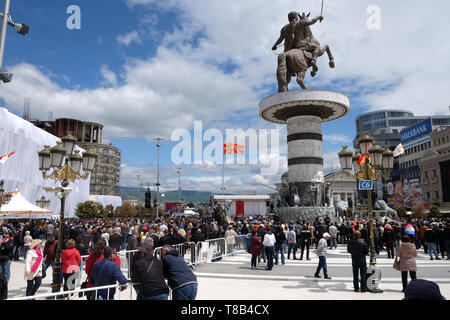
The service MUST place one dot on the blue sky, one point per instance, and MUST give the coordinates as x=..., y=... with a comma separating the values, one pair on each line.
x=144, y=68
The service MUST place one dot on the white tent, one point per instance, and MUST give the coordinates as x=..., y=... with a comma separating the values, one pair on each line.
x=21, y=171
x=20, y=208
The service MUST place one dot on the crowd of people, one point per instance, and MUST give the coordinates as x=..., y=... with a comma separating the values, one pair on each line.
x=269, y=241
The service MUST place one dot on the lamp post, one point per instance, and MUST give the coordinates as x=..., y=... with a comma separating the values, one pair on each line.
x=158, y=145
x=377, y=160
x=70, y=171
x=22, y=29
x=43, y=202
x=139, y=195
x=179, y=184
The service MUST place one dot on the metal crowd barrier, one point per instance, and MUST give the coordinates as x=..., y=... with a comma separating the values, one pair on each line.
x=74, y=294
x=194, y=254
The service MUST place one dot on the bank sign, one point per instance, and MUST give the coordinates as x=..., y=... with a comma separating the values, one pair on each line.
x=419, y=130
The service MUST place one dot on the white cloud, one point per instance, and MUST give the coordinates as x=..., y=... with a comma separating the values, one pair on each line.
x=404, y=65
x=336, y=138
x=109, y=77
x=129, y=38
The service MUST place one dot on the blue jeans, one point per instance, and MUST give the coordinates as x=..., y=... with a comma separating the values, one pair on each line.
x=293, y=247
x=322, y=264
x=432, y=248
x=187, y=292
x=5, y=268
x=158, y=297
x=269, y=255
x=279, y=248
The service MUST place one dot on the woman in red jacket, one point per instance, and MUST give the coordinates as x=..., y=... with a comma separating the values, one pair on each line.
x=70, y=265
x=254, y=248
x=95, y=256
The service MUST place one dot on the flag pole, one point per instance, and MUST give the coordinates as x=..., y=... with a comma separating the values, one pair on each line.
x=223, y=173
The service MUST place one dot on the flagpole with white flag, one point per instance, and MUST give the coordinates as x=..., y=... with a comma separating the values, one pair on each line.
x=399, y=150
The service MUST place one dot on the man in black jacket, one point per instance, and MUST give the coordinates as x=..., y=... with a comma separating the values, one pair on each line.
x=148, y=271
x=197, y=236
x=305, y=239
x=6, y=255
x=431, y=241
x=280, y=238
x=358, y=248
x=115, y=239
x=181, y=279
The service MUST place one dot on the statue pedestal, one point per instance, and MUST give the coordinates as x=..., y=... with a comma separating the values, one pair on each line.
x=303, y=111
x=306, y=213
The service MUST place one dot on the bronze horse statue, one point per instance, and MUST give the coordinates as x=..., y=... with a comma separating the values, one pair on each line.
x=302, y=55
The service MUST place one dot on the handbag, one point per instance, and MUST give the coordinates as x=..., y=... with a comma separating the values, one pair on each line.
x=396, y=264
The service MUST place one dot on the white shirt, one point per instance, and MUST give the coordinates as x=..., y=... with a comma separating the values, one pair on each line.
x=269, y=240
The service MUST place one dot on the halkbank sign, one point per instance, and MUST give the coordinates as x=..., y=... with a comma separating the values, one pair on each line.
x=419, y=130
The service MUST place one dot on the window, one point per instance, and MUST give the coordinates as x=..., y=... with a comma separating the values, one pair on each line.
x=395, y=131
x=436, y=195
x=428, y=196
x=434, y=173
x=425, y=173
x=105, y=151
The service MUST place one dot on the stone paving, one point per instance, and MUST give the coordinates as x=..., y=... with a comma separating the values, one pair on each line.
x=232, y=278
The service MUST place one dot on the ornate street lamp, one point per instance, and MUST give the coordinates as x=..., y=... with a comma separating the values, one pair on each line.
x=379, y=159
x=4, y=197
x=67, y=164
x=43, y=202
x=345, y=158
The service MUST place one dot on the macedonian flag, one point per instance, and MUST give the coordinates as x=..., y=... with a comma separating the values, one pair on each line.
x=362, y=159
x=233, y=148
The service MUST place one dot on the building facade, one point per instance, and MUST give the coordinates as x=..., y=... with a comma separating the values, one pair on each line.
x=105, y=179
x=386, y=125
x=435, y=169
x=343, y=186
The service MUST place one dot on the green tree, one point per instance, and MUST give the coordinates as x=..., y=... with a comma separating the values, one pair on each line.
x=127, y=210
x=85, y=210
x=401, y=211
x=435, y=211
x=109, y=210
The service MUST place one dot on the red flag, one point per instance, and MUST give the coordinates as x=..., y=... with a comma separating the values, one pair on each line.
x=4, y=158
x=233, y=148
x=362, y=159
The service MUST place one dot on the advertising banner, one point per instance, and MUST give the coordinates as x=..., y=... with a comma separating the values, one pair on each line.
x=407, y=193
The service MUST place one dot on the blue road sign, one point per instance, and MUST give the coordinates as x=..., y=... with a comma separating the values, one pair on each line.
x=365, y=185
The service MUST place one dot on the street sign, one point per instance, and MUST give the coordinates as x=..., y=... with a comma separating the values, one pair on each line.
x=365, y=185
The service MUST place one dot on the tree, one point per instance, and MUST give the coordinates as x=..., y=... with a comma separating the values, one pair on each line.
x=109, y=210
x=127, y=210
x=419, y=212
x=401, y=211
x=435, y=211
x=86, y=210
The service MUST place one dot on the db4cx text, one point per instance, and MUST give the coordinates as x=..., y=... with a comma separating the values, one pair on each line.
x=242, y=309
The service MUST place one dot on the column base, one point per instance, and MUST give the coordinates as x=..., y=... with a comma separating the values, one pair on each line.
x=310, y=194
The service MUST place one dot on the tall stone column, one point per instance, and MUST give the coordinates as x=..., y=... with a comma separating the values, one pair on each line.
x=303, y=111
x=305, y=158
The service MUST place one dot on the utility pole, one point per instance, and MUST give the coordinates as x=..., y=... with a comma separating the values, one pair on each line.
x=157, y=182
x=139, y=195
x=22, y=29
x=179, y=184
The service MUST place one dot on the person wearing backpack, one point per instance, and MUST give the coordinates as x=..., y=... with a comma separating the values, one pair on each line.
x=148, y=271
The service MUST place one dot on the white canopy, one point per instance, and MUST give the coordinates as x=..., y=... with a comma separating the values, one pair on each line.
x=20, y=208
